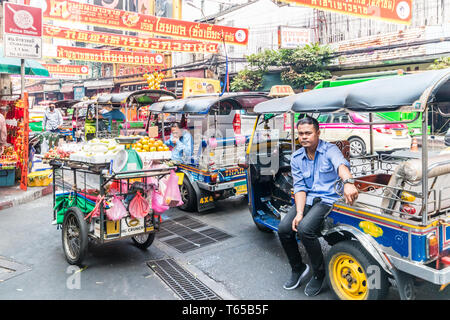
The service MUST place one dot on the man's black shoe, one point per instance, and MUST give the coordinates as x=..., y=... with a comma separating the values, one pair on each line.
x=296, y=278
x=315, y=285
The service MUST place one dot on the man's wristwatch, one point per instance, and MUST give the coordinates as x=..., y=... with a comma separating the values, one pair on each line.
x=351, y=181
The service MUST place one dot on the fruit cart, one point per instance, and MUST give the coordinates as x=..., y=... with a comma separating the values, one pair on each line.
x=88, y=194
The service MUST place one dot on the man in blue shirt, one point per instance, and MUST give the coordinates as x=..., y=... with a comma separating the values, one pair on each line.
x=315, y=169
x=181, y=141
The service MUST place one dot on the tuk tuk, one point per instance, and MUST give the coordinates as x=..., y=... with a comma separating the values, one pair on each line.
x=129, y=103
x=398, y=230
x=220, y=126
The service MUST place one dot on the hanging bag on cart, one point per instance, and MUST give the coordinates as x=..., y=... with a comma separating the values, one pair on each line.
x=117, y=210
x=158, y=205
x=172, y=195
x=139, y=206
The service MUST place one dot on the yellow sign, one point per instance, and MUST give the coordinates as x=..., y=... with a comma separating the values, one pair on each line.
x=281, y=91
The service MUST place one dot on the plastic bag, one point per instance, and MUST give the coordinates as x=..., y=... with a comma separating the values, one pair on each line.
x=139, y=206
x=158, y=205
x=117, y=210
x=96, y=211
x=172, y=195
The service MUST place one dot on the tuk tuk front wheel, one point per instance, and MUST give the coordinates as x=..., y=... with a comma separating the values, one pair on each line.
x=188, y=196
x=353, y=274
x=74, y=236
x=144, y=241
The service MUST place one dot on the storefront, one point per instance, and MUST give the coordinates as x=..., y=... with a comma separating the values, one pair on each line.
x=67, y=91
x=52, y=92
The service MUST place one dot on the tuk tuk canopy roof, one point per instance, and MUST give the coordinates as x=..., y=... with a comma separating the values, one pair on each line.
x=65, y=103
x=202, y=104
x=141, y=97
x=379, y=95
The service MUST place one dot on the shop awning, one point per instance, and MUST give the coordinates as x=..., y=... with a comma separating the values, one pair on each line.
x=99, y=84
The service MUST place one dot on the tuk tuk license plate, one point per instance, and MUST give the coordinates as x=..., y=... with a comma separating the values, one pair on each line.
x=398, y=132
x=242, y=189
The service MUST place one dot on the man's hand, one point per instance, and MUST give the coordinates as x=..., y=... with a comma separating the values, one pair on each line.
x=175, y=140
x=350, y=193
x=296, y=221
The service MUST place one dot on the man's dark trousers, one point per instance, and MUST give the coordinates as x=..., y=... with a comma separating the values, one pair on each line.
x=308, y=233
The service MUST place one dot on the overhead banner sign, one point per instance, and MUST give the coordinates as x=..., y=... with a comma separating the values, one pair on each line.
x=67, y=69
x=132, y=21
x=395, y=11
x=22, y=31
x=130, y=41
x=110, y=56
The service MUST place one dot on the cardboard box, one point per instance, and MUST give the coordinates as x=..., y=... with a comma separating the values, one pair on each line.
x=153, y=132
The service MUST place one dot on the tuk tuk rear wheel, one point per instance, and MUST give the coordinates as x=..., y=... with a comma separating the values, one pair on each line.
x=349, y=268
x=74, y=236
x=188, y=196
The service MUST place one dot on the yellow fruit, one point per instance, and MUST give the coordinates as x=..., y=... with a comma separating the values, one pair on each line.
x=166, y=148
x=158, y=143
x=160, y=148
x=152, y=149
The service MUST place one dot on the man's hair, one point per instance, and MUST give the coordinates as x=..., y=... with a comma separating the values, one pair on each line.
x=175, y=124
x=308, y=120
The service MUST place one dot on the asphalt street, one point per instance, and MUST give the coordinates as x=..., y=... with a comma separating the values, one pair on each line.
x=249, y=265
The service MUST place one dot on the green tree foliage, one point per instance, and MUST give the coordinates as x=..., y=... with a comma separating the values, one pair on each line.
x=304, y=66
x=441, y=63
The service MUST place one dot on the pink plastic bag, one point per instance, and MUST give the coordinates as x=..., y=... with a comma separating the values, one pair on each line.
x=139, y=206
x=172, y=195
x=117, y=210
x=158, y=205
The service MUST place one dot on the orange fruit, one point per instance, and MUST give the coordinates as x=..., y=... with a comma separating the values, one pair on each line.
x=152, y=149
x=160, y=148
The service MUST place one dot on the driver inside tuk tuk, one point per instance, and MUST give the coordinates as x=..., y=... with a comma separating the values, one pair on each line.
x=315, y=169
x=182, y=143
x=111, y=114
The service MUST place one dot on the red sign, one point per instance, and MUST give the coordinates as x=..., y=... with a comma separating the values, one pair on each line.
x=66, y=69
x=396, y=11
x=23, y=20
x=123, y=20
x=110, y=56
x=125, y=41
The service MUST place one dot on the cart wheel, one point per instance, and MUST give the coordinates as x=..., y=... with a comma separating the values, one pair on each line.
x=74, y=236
x=348, y=266
x=188, y=196
x=143, y=241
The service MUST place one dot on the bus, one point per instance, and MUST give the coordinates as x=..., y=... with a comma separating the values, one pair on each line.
x=188, y=86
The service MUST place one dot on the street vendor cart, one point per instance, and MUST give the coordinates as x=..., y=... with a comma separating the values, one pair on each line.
x=398, y=230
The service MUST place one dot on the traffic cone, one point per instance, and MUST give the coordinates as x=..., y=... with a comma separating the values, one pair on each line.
x=414, y=145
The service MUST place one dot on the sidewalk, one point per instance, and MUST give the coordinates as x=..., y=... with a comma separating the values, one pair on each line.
x=13, y=196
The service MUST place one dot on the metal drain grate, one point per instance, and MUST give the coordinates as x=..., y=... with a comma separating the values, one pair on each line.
x=9, y=269
x=186, y=234
x=182, y=282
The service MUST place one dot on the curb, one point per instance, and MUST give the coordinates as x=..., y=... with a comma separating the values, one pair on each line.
x=27, y=198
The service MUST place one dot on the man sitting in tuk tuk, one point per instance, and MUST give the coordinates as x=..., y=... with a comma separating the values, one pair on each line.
x=181, y=142
x=111, y=114
x=315, y=169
